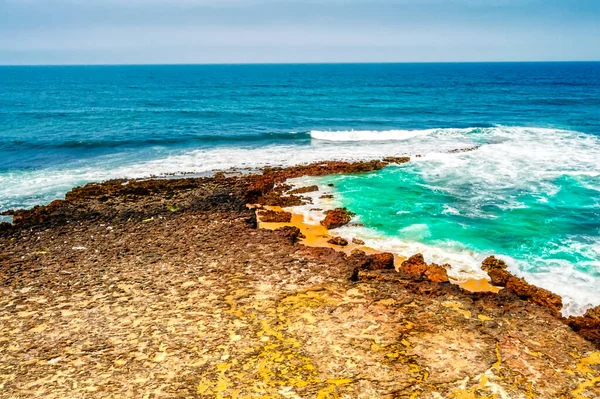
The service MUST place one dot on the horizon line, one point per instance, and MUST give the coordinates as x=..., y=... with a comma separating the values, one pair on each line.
x=304, y=63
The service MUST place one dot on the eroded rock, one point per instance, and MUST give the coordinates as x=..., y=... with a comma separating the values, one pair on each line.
x=497, y=270
x=336, y=218
x=416, y=266
x=383, y=260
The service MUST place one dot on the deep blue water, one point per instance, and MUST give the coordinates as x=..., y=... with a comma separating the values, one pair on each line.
x=531, y=191
x=53, y=116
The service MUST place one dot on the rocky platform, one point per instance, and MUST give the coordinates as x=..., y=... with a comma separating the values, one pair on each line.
x=166, y=289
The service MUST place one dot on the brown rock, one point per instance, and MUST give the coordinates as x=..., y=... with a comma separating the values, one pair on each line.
x=338, y=241
x=302, y=190
x=397, y=160
x=275, y=199
x=384, y=260
x=587, y=325
x=290, y=232
x=269, y=216
x=497, y=270
x=357, y=241
x=414, y=265
x=336, y=218
x=436, y=273
x=326, y=196
x=359, y=259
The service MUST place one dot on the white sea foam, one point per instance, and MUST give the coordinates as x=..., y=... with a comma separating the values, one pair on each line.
x=368, y=135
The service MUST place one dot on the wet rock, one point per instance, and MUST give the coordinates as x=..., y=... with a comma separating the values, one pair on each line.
x=357, y=241
x=330, y=185
x=326, y=196
x=336, y=218
x=396, y=160
x=270, y=216
x=459, y=150
x=338, y=241
x=302, y=190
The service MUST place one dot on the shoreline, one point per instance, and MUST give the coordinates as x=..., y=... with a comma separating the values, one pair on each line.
x=269, y=185
x=170, y=287
x=318, y=236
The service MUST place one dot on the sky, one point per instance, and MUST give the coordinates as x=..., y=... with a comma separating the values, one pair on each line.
x=296, y=31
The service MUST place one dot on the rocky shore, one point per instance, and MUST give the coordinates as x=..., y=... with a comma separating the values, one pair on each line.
x=167, y=288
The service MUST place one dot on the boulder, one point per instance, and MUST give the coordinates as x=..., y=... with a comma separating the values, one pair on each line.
x=414, y=265
x=338, y=241
x=417, y=266
x=437, y=273
x=357, y=241
x=336, y=218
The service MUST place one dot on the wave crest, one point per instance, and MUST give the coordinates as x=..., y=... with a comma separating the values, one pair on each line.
x=380, y=135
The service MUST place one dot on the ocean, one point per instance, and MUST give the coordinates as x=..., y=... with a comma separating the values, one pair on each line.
x=528, y=191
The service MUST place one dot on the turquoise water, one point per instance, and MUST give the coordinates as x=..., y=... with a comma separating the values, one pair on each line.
x=529, y=192
x=531, y=196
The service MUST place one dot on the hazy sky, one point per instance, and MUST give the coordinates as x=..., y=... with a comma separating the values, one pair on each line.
x=246, y=31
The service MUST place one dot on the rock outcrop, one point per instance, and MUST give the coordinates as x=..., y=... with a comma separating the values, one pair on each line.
x=587, y=325
x=497, y=270
x=360, y=260
x=416, y=266
x=336, y=218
